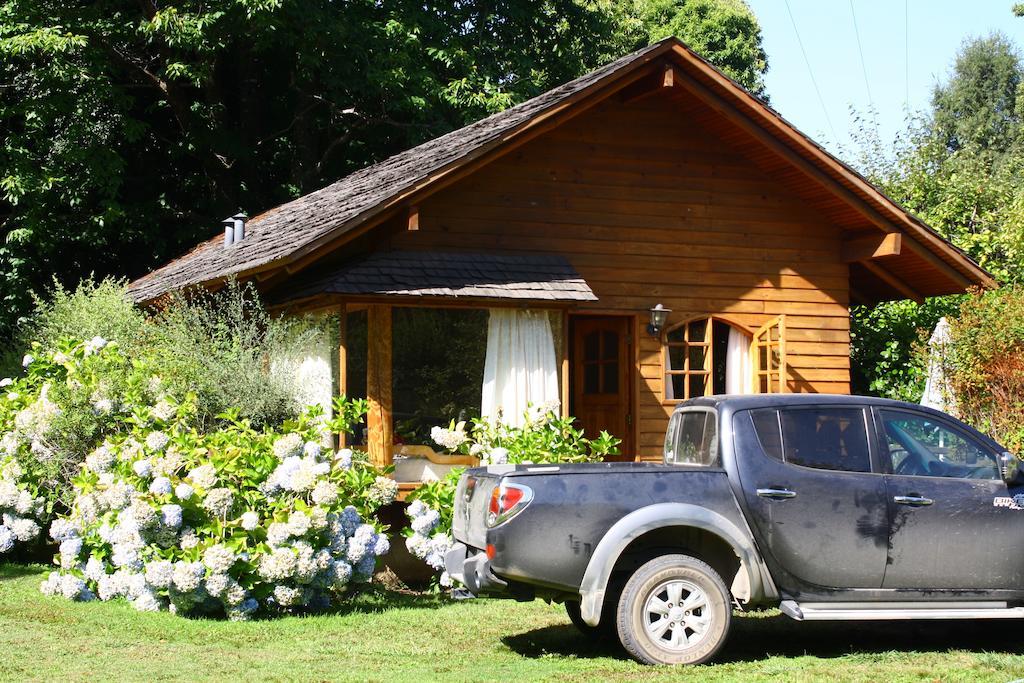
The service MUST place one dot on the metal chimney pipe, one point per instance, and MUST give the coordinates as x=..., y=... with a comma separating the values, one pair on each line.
x=229, y=231
x=239, y=226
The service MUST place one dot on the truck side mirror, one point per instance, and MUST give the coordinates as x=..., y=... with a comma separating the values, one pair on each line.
x=1009, y=467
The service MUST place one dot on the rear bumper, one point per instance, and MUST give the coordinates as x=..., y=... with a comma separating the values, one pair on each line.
x=471, y=567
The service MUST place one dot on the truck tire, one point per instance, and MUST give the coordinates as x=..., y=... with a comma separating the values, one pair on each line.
x=605, y=630
x=674, y=610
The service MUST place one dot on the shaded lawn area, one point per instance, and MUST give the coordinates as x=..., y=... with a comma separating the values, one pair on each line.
x=391, y=636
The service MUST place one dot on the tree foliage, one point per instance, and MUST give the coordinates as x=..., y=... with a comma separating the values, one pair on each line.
x=130, y=129
x=960, y=167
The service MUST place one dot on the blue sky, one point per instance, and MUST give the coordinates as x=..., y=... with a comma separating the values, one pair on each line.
x=937, y=28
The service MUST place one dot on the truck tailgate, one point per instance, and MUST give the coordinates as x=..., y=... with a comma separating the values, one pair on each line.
x=473, y=495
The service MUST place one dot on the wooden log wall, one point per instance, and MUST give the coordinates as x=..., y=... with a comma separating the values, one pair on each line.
x=651, y=208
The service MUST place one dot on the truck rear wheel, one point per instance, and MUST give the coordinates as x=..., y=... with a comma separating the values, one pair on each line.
x=674, y=610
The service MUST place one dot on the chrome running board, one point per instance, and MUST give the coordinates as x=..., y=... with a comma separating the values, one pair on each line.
x=852, y=611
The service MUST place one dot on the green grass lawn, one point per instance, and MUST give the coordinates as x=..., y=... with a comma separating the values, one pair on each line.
x=390, y=636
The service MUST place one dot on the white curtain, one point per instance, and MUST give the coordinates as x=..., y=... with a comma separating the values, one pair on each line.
x=520, y=369
x=937, y=392
x=738, y=372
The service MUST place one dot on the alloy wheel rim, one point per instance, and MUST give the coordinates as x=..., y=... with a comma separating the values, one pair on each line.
x=677, y=615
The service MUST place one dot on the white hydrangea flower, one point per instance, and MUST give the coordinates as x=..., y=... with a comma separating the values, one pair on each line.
x=27, y=360
x=279, y=565
x=94, y=345
x=243, y=611
x=160, y=573
x=383, y=491
x=183, y=491
x=147, y=601
x=278, y=534
x=164, y=410
x=343, y=459
x=24, y=529
x=102, y=406
x=287, y=446
x=169, y=463
x=217, y=584
x=425, y=522
x=188, y=576
x=218, y=502
x=6, y=382
x=161, y=486
x=7, y=539
x=157, y=440
x=118, y=495
x=250, y=520
x=234, y=594
x=189, y=539
x=286, y=596
x=61, y=529
x=298, y=523
x=449, y=439
x=95, y=570
x=204, y=476
x=170, y=515
x=9, y=494
x=219, y=558
x=142, y=468
x=312, y=449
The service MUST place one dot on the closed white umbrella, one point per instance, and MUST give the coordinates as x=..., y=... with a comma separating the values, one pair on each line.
x=938, y=393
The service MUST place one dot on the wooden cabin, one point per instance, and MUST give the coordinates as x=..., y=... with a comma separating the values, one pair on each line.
x=655, y=182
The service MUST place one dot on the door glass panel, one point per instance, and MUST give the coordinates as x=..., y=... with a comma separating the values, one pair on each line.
x=611, y=378
x=591, y=378
x=826, y=438
x=592, y=346
x=923, y=446
x=611, y=346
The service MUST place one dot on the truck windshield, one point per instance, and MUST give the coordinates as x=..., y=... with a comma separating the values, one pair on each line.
x=692, y=438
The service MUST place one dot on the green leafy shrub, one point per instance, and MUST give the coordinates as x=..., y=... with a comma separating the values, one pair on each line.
x=984, y=363
x=545, y=437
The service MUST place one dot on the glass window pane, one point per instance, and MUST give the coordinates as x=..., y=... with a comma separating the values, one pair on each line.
x=922, y=446
x=611, y=378
x=676, y=357
x=592, y=346
x=678, y=386
x=591, y=378
x=766, y=425
x=826, y=438
x=697, y=330
x=696, y=439
x=698, y=357
x=698, y=385
x=676, y=335
x=611, y=346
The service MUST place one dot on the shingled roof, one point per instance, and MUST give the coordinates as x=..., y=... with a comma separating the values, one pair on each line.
x=289, y=232
x=523, y=277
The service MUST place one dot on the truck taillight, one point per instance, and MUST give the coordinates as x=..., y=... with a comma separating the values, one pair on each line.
x=507, y=501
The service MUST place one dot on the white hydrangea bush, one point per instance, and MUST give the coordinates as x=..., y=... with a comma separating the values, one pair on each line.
x=21, y=508
x=232, y=522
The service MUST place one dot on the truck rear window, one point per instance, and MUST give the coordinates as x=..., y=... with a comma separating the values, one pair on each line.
x=692, y=438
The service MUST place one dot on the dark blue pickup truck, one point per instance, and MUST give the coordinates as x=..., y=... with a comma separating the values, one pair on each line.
x=829, y=507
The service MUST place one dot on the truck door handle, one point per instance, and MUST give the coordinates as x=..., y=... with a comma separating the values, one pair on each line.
x=913, y=501
x=776, y=494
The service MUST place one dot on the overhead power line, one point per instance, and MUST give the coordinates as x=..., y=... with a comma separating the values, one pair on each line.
x=864, y=68
x=810, y=72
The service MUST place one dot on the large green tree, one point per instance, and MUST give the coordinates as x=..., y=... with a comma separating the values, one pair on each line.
x=961, y=168
x=128, y=128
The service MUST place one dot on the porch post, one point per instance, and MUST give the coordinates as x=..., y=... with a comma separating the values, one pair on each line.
x=378, y=384
x=342, y=362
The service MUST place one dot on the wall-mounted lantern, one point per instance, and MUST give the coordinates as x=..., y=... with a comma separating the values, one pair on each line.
x=659, y=314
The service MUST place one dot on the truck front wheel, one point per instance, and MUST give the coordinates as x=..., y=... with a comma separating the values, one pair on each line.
x=674, y=610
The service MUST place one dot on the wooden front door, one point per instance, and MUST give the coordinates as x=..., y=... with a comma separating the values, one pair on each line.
x=602, y=377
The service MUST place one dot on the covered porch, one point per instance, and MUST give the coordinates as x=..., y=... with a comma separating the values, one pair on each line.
x=433, y=337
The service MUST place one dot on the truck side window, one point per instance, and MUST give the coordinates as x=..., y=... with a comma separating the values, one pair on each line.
x=822, y=438
x=692, y=438
x=920, y=445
